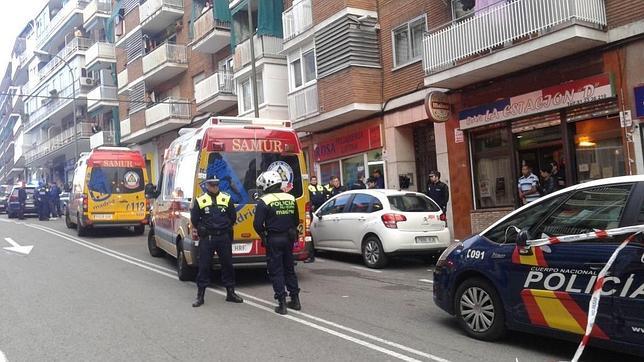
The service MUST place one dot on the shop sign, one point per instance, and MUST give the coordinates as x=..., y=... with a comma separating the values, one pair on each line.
x=561, y=96
x=437, y=106
x=639, y=101
x=348, y=144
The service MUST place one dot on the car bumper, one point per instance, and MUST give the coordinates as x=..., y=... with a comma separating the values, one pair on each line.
x=395, y=241
x=442, y=293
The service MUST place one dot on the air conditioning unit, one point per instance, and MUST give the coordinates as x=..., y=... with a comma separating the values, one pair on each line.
x=87, y=81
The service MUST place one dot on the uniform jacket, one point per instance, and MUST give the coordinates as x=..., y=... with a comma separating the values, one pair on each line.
x=213, y=212
x=276, y=213
x=317, y=195
x=439, y=192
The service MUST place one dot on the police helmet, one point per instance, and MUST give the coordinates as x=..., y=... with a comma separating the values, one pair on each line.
x=268, y=179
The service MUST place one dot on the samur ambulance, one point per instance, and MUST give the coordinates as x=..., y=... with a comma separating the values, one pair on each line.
x=236, y=151
x=108, y=191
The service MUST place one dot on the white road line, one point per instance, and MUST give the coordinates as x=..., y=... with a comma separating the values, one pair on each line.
x=426, y=281
x=3, y=358
x=152, y=266
x=366, y=269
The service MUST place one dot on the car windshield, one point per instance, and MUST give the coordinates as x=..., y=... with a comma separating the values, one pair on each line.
x=116, y=180
x=238, y=172
x=412, y=203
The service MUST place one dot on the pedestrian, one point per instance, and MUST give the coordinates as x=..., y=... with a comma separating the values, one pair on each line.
x=437, y=190
x=213, y=215
x=334, y=188
x=380, y=180
x=42, y=199
x=277, y=221
x=371, y=183
x=528, y=185
x=22, y=200
x=317, y=195
x=358, y=184
x=548, y=183
x=558, y=174
x=54, y=200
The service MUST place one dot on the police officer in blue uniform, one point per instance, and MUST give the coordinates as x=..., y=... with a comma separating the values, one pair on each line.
x=276, y=218
x=42, y=199
x=317, y=195
x=213, y=214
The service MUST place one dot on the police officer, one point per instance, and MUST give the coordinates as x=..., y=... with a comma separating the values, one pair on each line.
x=276, y=218
x=213, y=214
x=317, y=195
x=334, y=187
x=437, y=190
x=42, y=199
x=22, y=200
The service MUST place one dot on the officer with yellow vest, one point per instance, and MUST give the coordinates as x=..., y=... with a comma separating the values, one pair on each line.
x=213, y=215
x=317, y=195
x=276, y=219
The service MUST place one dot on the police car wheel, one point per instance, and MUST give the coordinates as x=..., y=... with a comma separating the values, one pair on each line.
x=154, y=250
x=185, y=272
x=373, y=254
x=479, y=309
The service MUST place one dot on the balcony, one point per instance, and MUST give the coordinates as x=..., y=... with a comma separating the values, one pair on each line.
x=165, y=116
x=59, y=105
x=297, y=19
x=303, y=103
x=70, y=16
x=265, y=46
x=100, y=54
x=59, y=144
x=122, y=81
x=125, y=127
x=510, y=36
x=95, y=11
x=215, y=93
x=156, y=15
x=164, y=63
x=74, y=46
x=102, y=96
x=210, y=34
x=103, y=138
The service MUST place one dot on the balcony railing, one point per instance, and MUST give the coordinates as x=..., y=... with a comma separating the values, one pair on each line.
x=303, y=103
x=165, y=53
x=95, y=7
x=51, y=104
x=121, y=79
x=71, y=48
x=167, y=109
x=100, y=50
x=150, y=7
x=84, y=130
x=102, y=93
x=264, y=46
x=56, y=23
x=297, y=19
x=206, y=23
x=215, y=84
x=503, y=23
x=102, y=138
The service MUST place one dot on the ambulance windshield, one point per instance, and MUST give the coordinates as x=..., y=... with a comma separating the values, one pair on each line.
x=116, y=180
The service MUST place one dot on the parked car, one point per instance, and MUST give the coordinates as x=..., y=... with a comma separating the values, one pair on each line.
x=380, y=223
x=13, y=206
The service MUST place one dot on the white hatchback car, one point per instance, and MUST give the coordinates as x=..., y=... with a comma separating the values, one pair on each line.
x=380, y=223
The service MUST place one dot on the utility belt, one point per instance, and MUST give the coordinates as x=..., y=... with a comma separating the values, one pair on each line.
x=207, y=233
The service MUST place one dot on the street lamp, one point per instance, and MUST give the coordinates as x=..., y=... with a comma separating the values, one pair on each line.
x=41, y=52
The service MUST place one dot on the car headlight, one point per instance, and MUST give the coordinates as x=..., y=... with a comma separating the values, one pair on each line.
x=442, y=260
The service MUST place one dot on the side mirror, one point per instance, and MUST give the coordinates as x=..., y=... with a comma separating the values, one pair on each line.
x=522, y=239
x=151, y=191
x=318, y=215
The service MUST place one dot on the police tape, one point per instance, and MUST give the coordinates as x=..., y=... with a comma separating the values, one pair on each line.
x=597, y=234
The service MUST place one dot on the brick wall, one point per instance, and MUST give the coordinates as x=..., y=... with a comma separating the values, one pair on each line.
x=131, y=20
x=137, y=121
x=392, y=14
x=622, y=12
x=481, y=220
x=324, y=9
x=351, y=85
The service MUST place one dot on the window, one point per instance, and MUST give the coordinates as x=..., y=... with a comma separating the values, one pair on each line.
x=597, y=208
x=247, y=93
x=412, y=203
x=493, y=180
x=362, y=203
x=169, y=171
x=340, y=204
x=462, y=8
x=327, y=170
x=198, y=78
x=302, y=69
x=296, y=71
x=308, y=59
x=116, y=180
x=184, y=184
x=408, y=41
x=598, y=149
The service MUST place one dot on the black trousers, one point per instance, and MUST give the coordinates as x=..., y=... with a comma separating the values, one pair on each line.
x=21, y=211
x=222, y=244
x=281, y=268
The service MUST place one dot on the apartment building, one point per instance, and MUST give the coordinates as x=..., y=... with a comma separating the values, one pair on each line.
x=174, y=65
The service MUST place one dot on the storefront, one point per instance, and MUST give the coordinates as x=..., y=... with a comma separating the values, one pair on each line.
x=575, y=124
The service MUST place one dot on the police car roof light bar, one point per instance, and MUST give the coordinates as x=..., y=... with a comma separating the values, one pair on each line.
x=249, y=121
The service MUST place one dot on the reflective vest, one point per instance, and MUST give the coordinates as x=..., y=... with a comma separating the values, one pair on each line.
x=282, y=202
x=328, y=188
x=283, y=218
x=317, y=188
x=222, y=201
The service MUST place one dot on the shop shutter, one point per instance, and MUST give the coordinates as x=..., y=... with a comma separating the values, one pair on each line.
x=592, y=110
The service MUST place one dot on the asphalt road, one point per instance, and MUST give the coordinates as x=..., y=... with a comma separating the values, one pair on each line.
x=103, y=298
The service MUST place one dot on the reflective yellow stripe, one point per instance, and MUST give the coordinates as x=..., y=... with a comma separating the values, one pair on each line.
x=555, y=313
x=282, y=196
x=205, y=200
x=317, y=188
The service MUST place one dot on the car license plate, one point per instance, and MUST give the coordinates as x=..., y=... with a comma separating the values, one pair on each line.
x=426, y=239
x=242, y=248
x=102, y=216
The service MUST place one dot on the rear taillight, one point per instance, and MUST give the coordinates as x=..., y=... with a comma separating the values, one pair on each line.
x=391, y=220
x=85, y=202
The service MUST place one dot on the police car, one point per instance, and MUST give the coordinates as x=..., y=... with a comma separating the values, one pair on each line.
x=491, y=282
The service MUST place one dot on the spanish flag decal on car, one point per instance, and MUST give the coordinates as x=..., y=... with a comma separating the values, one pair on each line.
x=535, y=257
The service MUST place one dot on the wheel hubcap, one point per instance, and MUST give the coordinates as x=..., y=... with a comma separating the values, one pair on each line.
x=477, y=309
x=372, y=252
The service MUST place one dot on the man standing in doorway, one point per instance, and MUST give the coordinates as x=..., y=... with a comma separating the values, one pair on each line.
x=528, y=185
x=380, y=181
x=437, y=190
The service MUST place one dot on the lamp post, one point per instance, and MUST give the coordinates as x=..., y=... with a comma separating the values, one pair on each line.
x=71, y=74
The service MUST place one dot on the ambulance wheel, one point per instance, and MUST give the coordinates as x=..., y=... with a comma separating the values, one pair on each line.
x=80, y=229
x=139, y=229
x=185, y=272
x=479, y=309
x=68, y=222
x=154, y=250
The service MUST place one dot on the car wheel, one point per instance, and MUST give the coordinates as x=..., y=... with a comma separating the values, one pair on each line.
x=68, y=222
x=479, y=309
x=373, y=254
x=80, y=229
x=185, y=272
x=154, y=250
x=10, y=215
x=139, y=229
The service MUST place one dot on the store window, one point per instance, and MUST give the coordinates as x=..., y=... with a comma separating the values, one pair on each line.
x=328, y=170
x=493, y=182
x=352, y=169
x=598, y=149
x=408, y=41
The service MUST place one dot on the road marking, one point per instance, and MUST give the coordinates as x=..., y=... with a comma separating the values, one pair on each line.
x=366, y=269
x=15, y=247
x=3, y=358
x=426, y=281
x=151, y=267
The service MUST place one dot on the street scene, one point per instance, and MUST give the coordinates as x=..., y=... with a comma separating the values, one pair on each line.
x=441, y=180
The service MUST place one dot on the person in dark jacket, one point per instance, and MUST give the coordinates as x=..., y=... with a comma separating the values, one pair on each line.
x=317, y=195
x=358, y=184
x=437, y=190
x=54, y=200
x=334, y=187
x=276, y=221
x=22, y=201
x=380, y=180
x=42, y=201
x=548, y=183
x=213, y=215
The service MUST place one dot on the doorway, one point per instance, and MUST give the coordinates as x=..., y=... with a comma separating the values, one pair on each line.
x=539, y=148
x=425, y=153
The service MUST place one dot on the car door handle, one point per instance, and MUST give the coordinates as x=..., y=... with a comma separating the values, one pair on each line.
x=595, y=266
x=362, y=218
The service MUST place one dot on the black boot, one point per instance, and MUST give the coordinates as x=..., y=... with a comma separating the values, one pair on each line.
x=231, y=296
x=200, y=295
x=295, y=302
x=281, y=308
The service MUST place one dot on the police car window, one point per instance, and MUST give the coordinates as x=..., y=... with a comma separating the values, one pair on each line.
x=524, y=219
x=361, y=203
x=597, y=208
x=340, y=204
x=238, y=172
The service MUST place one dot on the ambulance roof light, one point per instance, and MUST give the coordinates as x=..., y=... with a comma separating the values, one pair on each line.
x=249, y=121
